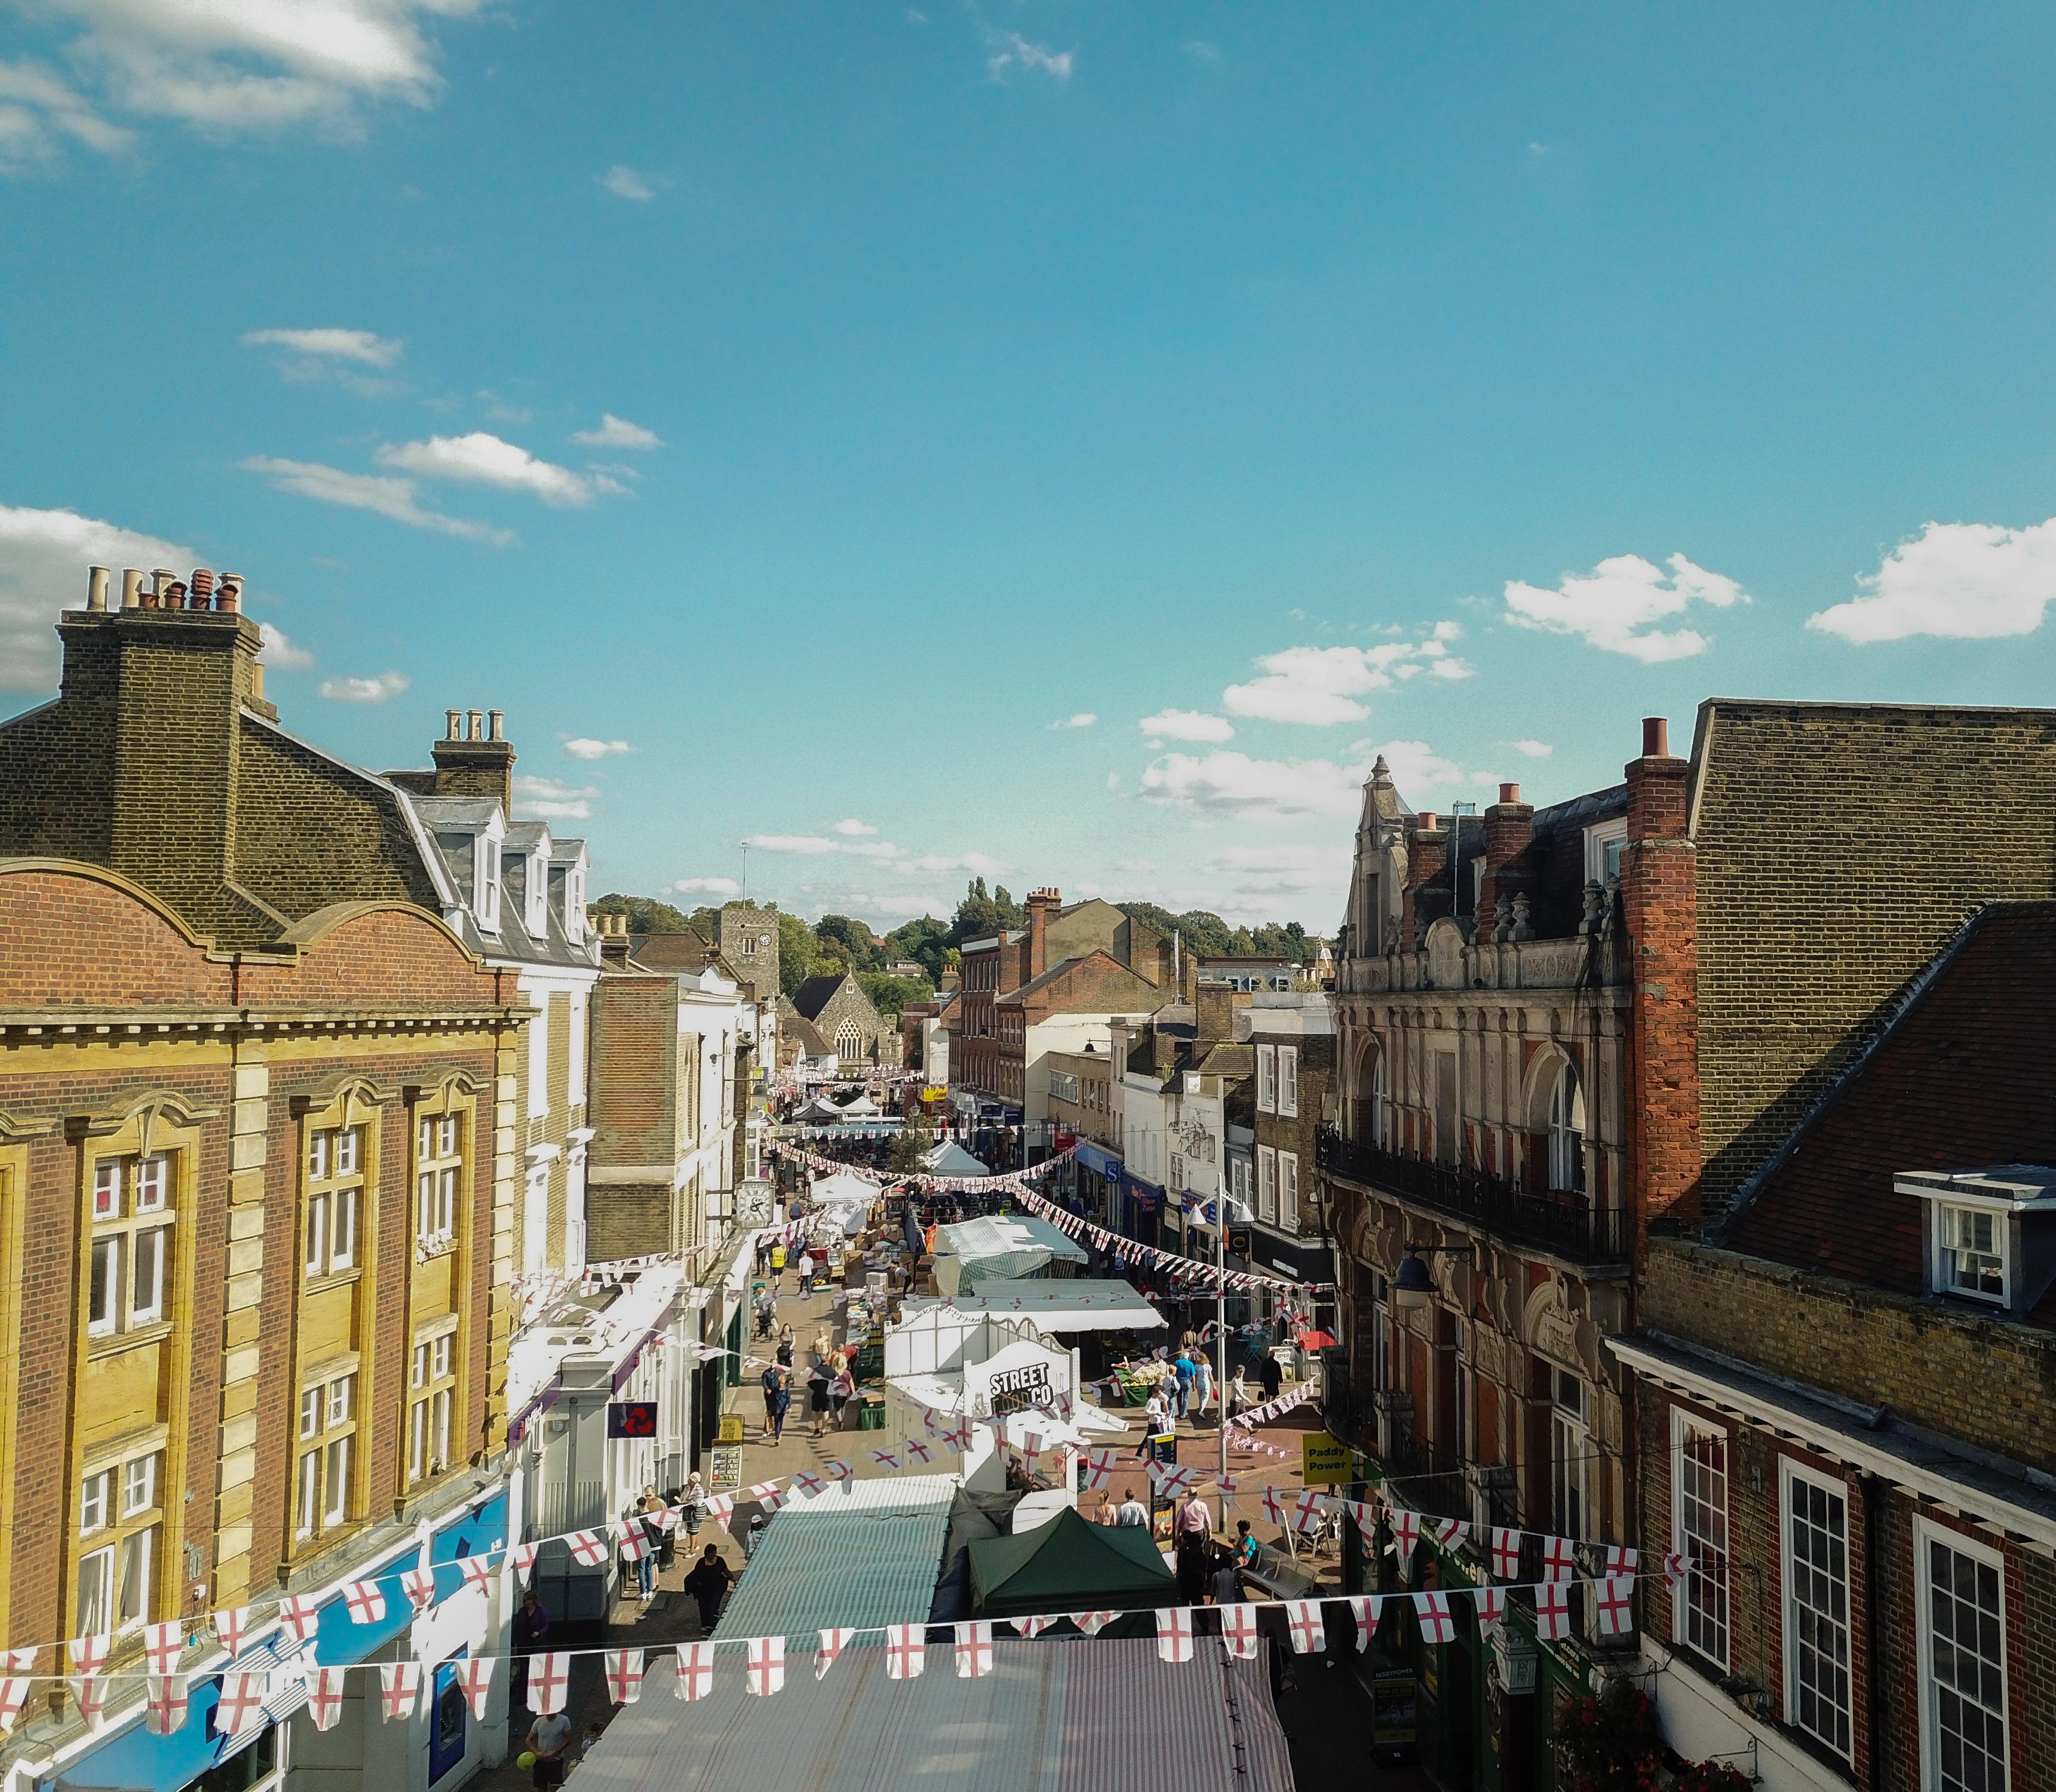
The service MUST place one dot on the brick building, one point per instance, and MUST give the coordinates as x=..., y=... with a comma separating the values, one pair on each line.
x=1560, y=1028
x=1291, y=1087
x=257, y=1173
x=1843, y=1408
x=843, y=1019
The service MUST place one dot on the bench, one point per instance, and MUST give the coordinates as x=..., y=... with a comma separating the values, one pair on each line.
x=1276, y=1575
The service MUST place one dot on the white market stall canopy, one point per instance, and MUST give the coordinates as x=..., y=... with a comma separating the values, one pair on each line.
x=949, y=1158
x=1071, y=1305
x=993, y=1249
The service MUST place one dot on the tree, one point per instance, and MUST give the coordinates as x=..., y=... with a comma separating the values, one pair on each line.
x=910, y=1146
x=926, y=942
x=855, y=943
x=645, y=914
x=890, y=996
x=979, y=916
x=800, y=955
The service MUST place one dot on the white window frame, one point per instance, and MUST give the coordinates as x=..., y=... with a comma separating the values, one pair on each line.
x=1941, y=1282
x=1792, y=1474
x=1598, y=837
x=1266, y=1079
x=96, y=1616
x=485, y=882
x=1573, y=1468
x=1684, y=1427
x=1267, y=1184
x=1380, y=1100
x=1288, y=1190
x=538, y=1056
x=1288, y=1083
x=1925, y=1531
x=1569, y=1120
x=1238, y=1180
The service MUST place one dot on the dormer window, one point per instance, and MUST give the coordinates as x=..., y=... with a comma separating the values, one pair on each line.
x=536, y=895
x=485, y=880
x=1989, y=1236
x=1605, y=841
x=574, y=903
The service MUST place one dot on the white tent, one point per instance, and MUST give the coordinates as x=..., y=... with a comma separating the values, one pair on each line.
x=862, y=1106
x=949, y=1158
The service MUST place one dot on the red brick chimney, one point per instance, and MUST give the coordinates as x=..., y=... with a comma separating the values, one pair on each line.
x=1509, y=825
x=1427, y=859
x=476, y=760
x=1659, y=919
x=1039, y=903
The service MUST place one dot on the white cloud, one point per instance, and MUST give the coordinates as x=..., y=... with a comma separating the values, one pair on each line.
x=1202, y=50
x=816, y=845
x=483, y=459
x=1011, y=51
x=1534, y=750
x=1134, y=868
x=704, y=886
x=981, y=864
x=282, y=653
x=38, y=109
x=1187, y=725
x=1613, y=606
x=1258, y=873
x=226, y=67
x=870, y=905
x=850, y=827
x=582, y=746
x=1085, y=718
x=1965, y=581
x=550, y=799
x=623, y=182
x=1234, y=785
x=331, y=345
x=363, y=491
x=882, y=852
x=43, y=557
x=1113, y=781
x=374, y=690
x=618, y=432
x=1318, y=687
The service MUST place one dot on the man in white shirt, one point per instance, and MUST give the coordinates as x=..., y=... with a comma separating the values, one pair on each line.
x=548, y=1738
x=1131, y=1511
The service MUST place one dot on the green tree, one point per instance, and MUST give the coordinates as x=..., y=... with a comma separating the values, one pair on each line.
x=800, y=955
x=645, y=914
x=926, y=942
x=911, y=1147
x=890, y=996
x=980, y=916
x=851, y=939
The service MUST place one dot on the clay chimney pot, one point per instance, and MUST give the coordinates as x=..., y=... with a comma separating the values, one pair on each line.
x=1655, y=737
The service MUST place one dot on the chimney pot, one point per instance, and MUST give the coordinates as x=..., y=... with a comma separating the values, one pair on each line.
x=1426, y=822
x=476, y=719
x=495, y=721
x=228, y=594
x=1655, y=737
x=200, y=590
x=132, y=588
x=1509, y=793
x=175, y=596
x=161, y=578
x=95, y=587
x=454, y=721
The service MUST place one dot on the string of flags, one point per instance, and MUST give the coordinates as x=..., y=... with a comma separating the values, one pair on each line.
x=245, y=1693
x=1126, y=1250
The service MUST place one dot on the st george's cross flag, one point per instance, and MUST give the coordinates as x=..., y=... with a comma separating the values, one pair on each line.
x=765, y=1666
x=1174, y=1633
x=549, y=1680
x=973, y=1649
x=695, y=1674
x=906, y=1650
x=833, y=1642
x=165, y=1703
x=325, y=1690
x=1304, y=1626
x=1238, y=1630
x=624, y=1675
x=474, y=1680
x=399, y=1688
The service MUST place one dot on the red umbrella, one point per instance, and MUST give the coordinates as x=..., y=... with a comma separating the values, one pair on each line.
x=1316, y=1340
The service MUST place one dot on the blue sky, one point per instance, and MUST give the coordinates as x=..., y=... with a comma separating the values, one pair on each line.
x=789, y=415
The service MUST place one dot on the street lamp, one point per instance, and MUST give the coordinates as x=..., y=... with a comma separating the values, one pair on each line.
x=1414, y=1288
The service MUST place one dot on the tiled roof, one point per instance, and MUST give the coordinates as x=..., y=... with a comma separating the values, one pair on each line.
x=816, y=993
x=869, y=1554
x=1959, y=1077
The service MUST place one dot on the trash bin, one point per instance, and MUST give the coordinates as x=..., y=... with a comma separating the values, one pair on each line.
x=870, y=1413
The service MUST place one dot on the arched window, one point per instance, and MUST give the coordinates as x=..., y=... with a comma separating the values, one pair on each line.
x=849, y=1041
x=1566, y=1133
x=1380, y=1104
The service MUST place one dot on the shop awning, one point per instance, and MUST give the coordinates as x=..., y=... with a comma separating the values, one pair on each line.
x=978, y=1252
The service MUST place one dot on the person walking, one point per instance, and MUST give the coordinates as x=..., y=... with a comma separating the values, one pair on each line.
x=1190, y=1531
x=818, y=1379
x=1202, y=1383
x=693, y=1503
x=709, y=1583
x=841, y=1390
x=784, y=1353
x=778, y=1398
x=1156, y=1420
x=1182, y=1368
x=1105, y=1515
x=1274, y=1377
x=1132, y=1511
x=806, y=1275
x=1238, y=1401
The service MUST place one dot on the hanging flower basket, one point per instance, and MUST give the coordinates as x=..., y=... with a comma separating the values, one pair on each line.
x=1610, y=1743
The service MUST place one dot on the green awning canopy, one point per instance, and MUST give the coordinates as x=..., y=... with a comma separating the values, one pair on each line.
x=1069, y=1565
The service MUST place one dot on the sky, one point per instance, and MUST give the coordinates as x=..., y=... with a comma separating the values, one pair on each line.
x=1063, y=441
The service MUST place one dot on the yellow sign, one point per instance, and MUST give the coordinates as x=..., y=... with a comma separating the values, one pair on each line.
x=934, y=1094
x=731, y=1428
x=1324, y=1460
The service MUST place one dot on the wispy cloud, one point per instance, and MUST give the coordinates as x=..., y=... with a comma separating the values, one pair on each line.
x=582, y=746
x=280, y=652
x=550, y=799
x=374, y=690
x=1085, y=718
x=880, y=851
x=1010, y=50
x=393, y=498
x=618, y=432
x=623, y=182
x=1202, y=50
x=359, y=345
x=1233, y=784
x=1320, y=687
x=850, y=829
x=1615, y=605
x=43, y=557
x=1187, y=725
x=484, y=459
x=1534, y=750
x=704, y=886
x=1964, y=581
x=248, y=68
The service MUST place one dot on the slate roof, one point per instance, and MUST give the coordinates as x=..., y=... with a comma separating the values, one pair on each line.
x=816, y=993
x=450, y=822
x=1959, y=1076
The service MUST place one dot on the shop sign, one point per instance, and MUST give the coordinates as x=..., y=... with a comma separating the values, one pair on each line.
x=1394, y=1697
x=1324, y=1461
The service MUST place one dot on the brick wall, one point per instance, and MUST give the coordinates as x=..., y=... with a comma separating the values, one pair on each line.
x=1985, y=1380
x=1839, y=846
x=633, y=1105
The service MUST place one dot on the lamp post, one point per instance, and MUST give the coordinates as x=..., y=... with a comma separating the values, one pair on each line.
x=1412, y=1287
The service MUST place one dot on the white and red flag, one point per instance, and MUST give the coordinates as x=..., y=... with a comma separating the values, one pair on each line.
x=624, y=1675
x=1305, y=1626
x=906, y=1650
x=1238, y=1630
x=301, y=1616
x=1552, y=1610
x=325, y=1697
x=549, y=1680
x=974, y=1648
x=477, y=1573
x=833, y=1643
x=634, y=1540
x=843, y=1474
x=1092, y=1623
x=765, y=1673
x=474, y=1680
x=1674, y=1569
x=1366, y=1608
x=1099, y=1469
x=364, y=1600
x=720, y=1507
x=163, y=1644
x=1558, y=1561
x=230, y=1626
x=1616, y=1605
x=587, y=1549
x=917, y=1451
x=809, y=1484
x=165, y=1703
x=522, y=1555
x=13, y=1695
x=1446, y=1531
x=1621, y=1560
x=1406, y=1531
x=1228, y=1489
x=241, y=1703
x=1491, y=1603
x=1030, y=1627
x=1174, y=1633
x=419, y=1585
x=1506, y=1554
x=399, y=1688
x=695, y=1679
x=1436, y=1624
x=885, y=1458
x=89, y=1659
